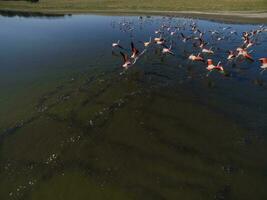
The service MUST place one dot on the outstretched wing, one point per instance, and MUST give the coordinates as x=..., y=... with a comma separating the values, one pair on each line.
x=132, y=46
x=249, y=57
x=124, y=56
x=134, y=50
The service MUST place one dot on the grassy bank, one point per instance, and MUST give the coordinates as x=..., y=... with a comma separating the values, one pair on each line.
x=137, y=5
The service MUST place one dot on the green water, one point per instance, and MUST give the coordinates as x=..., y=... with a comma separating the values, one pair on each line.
x=92, y=132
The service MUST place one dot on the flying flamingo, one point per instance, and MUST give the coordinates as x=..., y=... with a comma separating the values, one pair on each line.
x=202, y=43
x=231, y=55
x=117, y=44
x=159, y=40
x=196, y=58
x=211, y=67
x=243, y=52
x=247, y=42
x=167, y=50
x=208, y=51
x=185, y=38
x=146, y=44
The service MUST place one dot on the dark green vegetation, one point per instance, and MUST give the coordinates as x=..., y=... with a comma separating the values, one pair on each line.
x=32, y=1
x=144, y=5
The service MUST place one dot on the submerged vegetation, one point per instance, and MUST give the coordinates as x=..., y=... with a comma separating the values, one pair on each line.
x=127, y=137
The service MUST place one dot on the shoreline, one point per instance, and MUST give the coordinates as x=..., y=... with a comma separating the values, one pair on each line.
x=225, y=16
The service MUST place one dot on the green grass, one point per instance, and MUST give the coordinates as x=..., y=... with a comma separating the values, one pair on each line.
x=137, y=5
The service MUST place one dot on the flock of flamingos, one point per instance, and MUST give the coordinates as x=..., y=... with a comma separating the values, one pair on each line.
x=166, y=33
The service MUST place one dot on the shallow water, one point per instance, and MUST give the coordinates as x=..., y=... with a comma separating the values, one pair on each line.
x=75, y=125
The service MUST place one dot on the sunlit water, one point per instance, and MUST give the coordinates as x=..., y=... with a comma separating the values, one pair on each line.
x=75, y=125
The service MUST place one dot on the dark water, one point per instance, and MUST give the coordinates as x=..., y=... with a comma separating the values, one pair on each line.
x=74, y=125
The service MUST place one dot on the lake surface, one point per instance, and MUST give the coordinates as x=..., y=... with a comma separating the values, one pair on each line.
x=75, y=125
